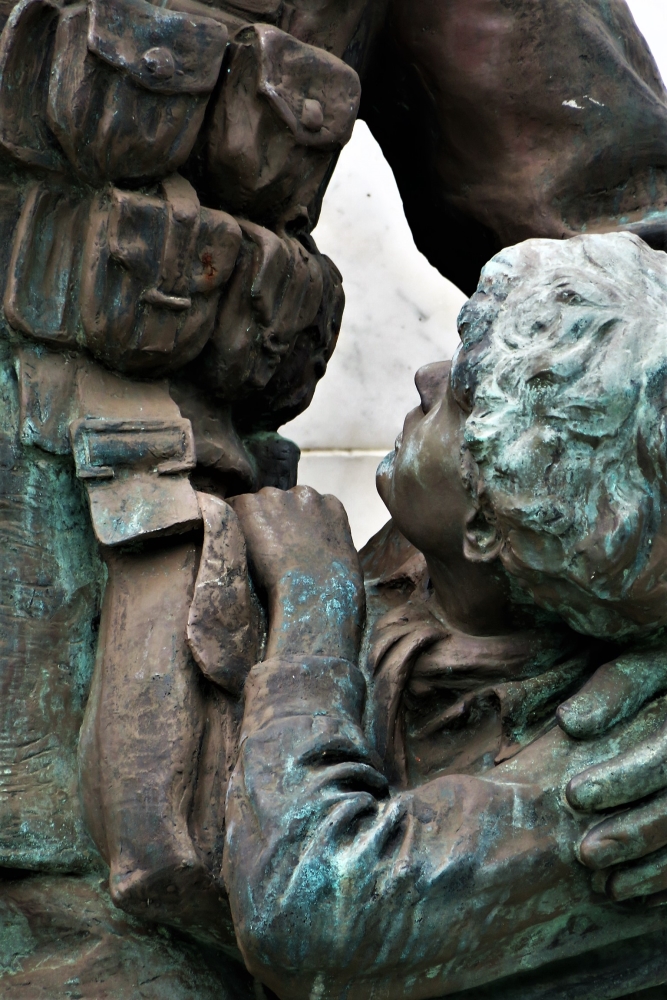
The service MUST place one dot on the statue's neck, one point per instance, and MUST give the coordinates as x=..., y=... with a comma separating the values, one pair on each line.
x=475, y=597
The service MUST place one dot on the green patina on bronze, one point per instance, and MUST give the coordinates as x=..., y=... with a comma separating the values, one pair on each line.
x=396, y=824
x=51, y=581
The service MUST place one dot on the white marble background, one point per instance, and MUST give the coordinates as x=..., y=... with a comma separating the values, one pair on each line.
x=400, y=314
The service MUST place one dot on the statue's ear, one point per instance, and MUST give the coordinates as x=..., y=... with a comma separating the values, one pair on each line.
x=482, y=539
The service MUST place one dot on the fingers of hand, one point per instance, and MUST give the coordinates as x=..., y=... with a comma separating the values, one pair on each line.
x=615, y=692
x=636, y=774
x=643, y=879
x=338, y=516
x=326, y=518
x=329, y=511
x=627, y=836
x=299, y=499
x=304, y=497
x=249, y=507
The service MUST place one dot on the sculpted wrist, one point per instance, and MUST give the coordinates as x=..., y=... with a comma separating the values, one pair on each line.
x=311, y=633
x=311, y=616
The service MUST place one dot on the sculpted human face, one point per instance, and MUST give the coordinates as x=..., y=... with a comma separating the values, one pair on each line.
x=420, y=482
x=422, y=486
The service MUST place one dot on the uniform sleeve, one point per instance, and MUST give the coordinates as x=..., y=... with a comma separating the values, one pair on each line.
x=505, y=120
x=341, y=888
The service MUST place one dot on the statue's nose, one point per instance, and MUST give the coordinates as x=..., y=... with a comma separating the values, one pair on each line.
x=431, y=381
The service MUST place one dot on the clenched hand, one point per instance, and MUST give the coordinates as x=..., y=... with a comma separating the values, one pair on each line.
x=302, y=556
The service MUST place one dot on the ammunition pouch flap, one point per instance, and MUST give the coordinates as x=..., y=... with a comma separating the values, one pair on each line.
x=161, y=50
x=129, y=86
x=26, y=46
x=313, y=92
x=285, y=108
x=275, y=292
x=119, y=87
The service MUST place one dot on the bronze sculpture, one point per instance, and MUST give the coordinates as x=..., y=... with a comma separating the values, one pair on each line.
x=421, y=845
x=165, y=311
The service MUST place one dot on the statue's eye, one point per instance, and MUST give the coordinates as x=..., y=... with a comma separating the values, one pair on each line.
x=544, y=379
x=569, y=297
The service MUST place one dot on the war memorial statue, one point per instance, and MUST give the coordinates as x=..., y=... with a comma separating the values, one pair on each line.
x=229, y=766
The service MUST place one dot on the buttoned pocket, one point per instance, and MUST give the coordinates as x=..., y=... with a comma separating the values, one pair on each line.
x=285, y=109
x=274, y=292
x=129, y=86
x=154, y=267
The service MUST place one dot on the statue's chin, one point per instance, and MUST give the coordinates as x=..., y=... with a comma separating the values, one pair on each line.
x=384, y=476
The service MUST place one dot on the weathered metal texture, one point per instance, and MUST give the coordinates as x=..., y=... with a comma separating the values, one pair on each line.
x=117, y=270
x=64, y=939
x=567, y=431
x=223, y=626
x=50, y=583
x=141, y=743
x=455, y=882
x=110, y=260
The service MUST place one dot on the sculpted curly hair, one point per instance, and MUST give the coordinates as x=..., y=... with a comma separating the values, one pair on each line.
x=563, y=371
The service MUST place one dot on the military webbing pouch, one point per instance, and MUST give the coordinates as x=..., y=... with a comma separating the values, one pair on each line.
x=26, y=47
x=121, y=84
x=284, y=110
x=290, y=389
x=153, y=271
x=134, y=278
x=275, y=292
x=42, y=278
x=129, y=86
